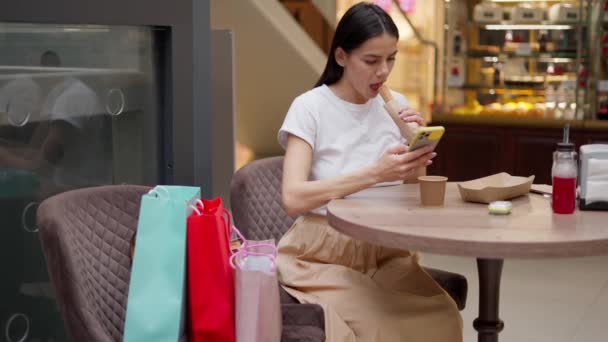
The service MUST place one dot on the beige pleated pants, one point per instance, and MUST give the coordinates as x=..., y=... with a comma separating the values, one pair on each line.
x=369, y=293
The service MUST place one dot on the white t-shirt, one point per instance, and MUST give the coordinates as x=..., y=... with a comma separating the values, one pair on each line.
x=87, y=158
x=344, y=136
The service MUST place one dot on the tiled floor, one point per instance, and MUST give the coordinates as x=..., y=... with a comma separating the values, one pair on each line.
x=558, y=300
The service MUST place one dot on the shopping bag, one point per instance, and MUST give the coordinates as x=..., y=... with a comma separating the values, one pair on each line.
x=258, y=305
x=210, y=277
x=155, y=306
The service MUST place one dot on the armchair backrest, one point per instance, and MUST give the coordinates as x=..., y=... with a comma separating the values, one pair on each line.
x=255, y=200
x=85, y=236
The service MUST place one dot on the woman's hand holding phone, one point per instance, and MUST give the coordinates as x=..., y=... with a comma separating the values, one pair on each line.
x=397, y=163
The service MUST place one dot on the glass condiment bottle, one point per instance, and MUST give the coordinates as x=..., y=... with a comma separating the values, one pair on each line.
x=564, y=174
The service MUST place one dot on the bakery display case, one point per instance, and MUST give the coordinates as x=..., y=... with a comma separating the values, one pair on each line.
x=515, y=73
x=597, y=20
x=517, y=59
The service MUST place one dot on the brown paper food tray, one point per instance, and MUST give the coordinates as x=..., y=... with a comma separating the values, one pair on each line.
x=499, y=187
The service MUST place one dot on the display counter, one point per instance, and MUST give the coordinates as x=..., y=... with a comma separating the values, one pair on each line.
x=478, y=146
x=510, y=121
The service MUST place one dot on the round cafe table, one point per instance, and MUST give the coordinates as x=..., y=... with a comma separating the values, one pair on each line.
x=393, y=217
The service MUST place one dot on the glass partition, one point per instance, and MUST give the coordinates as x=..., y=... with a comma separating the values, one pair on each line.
x=80, y=105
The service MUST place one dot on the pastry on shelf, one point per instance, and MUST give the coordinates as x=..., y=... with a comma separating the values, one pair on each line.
x=524, y=79
x=538, y=111
x=481, y=50
x=470, y=108
x=493, y=108
x=523, y=108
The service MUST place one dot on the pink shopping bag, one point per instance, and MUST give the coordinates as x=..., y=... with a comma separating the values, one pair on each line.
x=258, y=306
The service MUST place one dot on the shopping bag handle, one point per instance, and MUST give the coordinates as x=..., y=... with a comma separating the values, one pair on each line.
x=225, y=216
x=195, y=208
x=245, y=252
x=238, y=233
x=247, y=244
x=160, y=187
x=228, y=223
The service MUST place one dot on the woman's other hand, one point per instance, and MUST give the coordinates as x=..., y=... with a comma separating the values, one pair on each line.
x=398, y=164
x=410, y=115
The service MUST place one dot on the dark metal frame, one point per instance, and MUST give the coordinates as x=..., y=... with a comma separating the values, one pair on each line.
x=186, y=127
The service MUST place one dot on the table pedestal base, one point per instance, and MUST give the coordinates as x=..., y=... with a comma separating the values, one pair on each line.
x=488, y=325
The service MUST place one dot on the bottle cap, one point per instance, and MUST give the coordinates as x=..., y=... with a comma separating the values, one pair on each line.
x=565, y=147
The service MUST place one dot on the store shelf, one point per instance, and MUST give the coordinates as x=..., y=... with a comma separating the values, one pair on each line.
x=518, y=1
x=551, y=57
x=522, y=121
x=538, y=79
x=503, y=90
x=553, y=54
x=504, y=26
x=510, y=120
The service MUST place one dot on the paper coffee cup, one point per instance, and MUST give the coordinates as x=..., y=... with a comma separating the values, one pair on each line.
x=432, y=190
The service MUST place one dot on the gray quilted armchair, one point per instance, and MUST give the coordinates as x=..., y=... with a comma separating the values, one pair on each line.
x=255, y=198
x=85, y=236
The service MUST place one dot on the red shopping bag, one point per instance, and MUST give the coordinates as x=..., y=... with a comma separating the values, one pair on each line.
x=210, y=276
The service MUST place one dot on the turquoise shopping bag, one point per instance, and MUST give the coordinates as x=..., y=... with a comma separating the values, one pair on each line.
x=155, y=306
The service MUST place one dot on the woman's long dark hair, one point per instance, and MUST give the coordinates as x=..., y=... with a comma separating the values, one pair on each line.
x=360, y=23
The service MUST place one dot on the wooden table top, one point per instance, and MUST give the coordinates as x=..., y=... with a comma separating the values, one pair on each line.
x=392, y=216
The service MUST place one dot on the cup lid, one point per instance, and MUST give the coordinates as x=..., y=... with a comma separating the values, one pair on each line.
x=432, y=178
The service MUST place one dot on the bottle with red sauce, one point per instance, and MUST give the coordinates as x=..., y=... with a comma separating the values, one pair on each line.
x=564, y=175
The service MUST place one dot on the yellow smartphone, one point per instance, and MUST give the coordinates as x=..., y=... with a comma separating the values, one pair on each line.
x=426, y=136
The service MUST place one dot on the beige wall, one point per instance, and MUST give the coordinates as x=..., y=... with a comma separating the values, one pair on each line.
x=327, y=9
x=275, y=60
